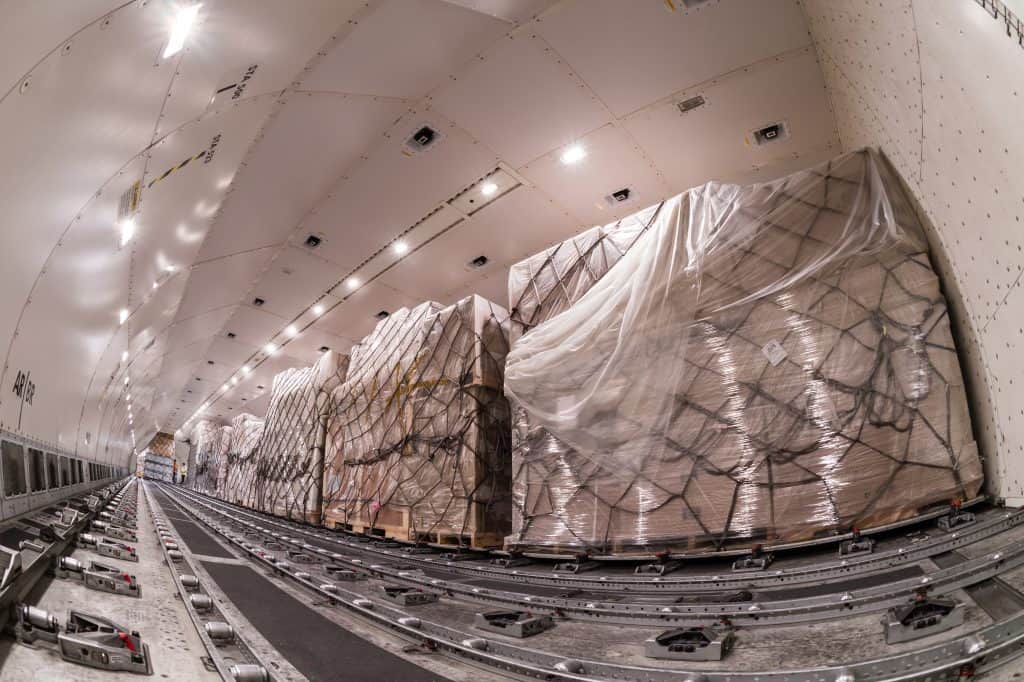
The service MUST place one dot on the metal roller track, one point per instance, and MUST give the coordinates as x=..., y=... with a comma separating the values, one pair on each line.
x=809, y=609
x=817, y=574
x=981, y=651
x=238, y=648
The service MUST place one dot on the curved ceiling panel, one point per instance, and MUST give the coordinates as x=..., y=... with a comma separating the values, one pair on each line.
x=278, y=121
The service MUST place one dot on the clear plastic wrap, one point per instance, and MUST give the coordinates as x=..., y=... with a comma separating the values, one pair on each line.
x=240, y=478
x=289, y=456
x=418, y=444
x=207, y=446
x=771, y=362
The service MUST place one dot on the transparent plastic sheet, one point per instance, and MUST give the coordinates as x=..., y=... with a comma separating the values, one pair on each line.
x=206, y=443
x=762, y=363
x=289, y=456
x=418, y=444
x=239, y=484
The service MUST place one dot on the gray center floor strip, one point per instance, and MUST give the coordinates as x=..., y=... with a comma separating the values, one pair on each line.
x=197, y=539
x=317, y=647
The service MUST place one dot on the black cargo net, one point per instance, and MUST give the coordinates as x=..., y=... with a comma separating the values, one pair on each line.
x=276, y=465
x=834, y=402
x=418, y=443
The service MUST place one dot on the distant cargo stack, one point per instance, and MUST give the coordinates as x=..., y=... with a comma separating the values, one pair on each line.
x=763, y=363
x=419, y=434
x=240, y=475
x=206, y=455
x=289, y=456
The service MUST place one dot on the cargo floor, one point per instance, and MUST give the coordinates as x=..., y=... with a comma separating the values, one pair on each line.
x=316, y=646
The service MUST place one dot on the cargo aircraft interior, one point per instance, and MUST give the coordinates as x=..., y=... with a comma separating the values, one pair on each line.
x=484, y=340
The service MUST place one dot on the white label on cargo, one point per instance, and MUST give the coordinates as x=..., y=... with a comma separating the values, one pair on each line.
x=774, y=351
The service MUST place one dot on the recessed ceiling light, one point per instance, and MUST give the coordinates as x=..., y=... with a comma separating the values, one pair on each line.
x=169, y=268
x=234, y=380
x=318, y=309
x=155, y=285
x=400, y=247
x=124, y=356
x=574, y=153
x=246, y=369
x=270, y=348
x=291, y=330
x=123, y=315
x=324, y=349
x=183, y=21
x=126, y=381
x=488, y=188
x=352, y=282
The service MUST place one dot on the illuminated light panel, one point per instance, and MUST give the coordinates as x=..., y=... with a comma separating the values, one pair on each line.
x=574, y=153
x=352, y=282
x=400, y=247
x=246, y=369
x=127, y=230
x=124, y=356
x=291, y=330
x=488, y=188
x=123, y=315
x=270, y=349
x=183, y=21
x=318, y=310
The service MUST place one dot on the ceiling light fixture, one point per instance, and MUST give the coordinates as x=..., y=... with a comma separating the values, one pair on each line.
x=352, y=282
x=488, y=188
x=124, y=356
x=127, y=230
x=291, y=330
x=270, y=349
x=155, y=285
x=574, y=153
x=318, y=310
x=400, y=247
x=246, y=369
x=123, y=315
x=183, y=21
x=234, y=380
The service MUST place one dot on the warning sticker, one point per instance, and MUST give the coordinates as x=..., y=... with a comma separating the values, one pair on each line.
x=774, y=351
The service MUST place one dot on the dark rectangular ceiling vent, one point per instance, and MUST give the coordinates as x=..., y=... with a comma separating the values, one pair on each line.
x=619, y=196
x=771, y=133
x=312, y=241
x=691, y=103
x=422, y=139
x=258, y=301
x=478, y=262
x=382, y=314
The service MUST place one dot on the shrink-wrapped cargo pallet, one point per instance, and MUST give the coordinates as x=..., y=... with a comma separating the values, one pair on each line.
x=418, y=445
x=207, y=444
x=289, y=457
x=240, y=477
x=759, y=363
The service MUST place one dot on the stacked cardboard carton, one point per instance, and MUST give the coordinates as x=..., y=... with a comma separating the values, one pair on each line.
x=418, y=446
x=289, y=457
x=740, y=364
